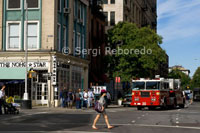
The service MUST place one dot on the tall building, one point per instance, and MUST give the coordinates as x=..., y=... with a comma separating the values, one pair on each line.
x=141, y=12
x=97, y=42
x=56, y=30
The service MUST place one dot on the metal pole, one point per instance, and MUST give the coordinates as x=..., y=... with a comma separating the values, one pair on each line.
x=26, y=55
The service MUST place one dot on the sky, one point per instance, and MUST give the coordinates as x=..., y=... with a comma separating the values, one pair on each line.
x=179, y=25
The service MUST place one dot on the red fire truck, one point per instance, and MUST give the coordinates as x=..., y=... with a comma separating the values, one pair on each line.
x=157, y=92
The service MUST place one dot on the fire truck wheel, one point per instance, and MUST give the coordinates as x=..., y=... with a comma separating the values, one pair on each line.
x=151, y=108
x=139, y=108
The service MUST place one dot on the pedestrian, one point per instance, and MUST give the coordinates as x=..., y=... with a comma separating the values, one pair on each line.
x=62, y=100
x=108, y=98
x=85, y=98
x=65, y=93
x=81, y=98
x=70, y=98
x=2, y=99
x=90, y=98
x=102, y=102
x=78, y=99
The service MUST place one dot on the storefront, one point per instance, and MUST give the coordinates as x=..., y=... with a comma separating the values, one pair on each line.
x=53, y=73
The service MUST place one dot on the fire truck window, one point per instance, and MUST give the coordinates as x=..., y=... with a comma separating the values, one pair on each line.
x=153, y=85
x=166, y=85
x=138, y=85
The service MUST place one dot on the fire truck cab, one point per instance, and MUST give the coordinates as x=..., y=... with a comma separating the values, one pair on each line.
x=157, y=92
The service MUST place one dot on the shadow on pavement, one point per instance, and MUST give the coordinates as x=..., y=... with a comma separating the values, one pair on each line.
x=46, y=122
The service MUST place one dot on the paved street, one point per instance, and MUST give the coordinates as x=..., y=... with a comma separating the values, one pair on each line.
x=124, y=119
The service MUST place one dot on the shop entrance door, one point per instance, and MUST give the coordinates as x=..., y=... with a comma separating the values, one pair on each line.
x=42, y=93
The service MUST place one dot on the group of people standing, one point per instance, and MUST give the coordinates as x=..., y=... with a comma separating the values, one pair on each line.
x=81, y=99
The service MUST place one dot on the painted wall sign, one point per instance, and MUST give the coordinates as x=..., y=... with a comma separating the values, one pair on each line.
x=23, y=64
x=54, y=72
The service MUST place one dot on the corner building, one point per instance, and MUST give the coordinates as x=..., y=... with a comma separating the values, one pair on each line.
x=56, y=28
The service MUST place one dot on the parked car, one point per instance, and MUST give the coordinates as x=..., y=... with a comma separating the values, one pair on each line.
x=127, y=100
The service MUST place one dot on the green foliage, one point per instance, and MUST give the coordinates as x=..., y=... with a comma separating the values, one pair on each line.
x=137, y=40
x=177, y=74
x=195, y=82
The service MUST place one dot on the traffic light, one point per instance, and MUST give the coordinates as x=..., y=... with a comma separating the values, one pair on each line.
x=32, y=74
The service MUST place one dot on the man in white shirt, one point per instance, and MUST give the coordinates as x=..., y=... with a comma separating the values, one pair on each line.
x=2, y=98
x=90, y=98
x=85, y=98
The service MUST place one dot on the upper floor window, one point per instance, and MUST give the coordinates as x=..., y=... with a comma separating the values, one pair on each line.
x=106, y=17
x=58, y=37
x=105, y=1
x=112, y=1
x=14, y=4
x=32, y=3
x=112, y=18
x=59, y=5
x=32, y=35
x=13, y=36
x=83, y=16
x=65, y=4
x=79, y=10
x=64, y=36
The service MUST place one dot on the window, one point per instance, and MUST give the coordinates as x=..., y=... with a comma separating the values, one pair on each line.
x=13, y=40
x=58, y=37
x=112, y=1
x=32, y=3
x=13, y=4
x=74, y=42
x=112, y=18
x=78, y=40
x=79, y=11
x=59, y=5
x=32, y=35
x=105, y=1
x=106, y=17
x=83, y=44
x=65, y=4
x=64, y=36
x=74, y=8
x=83, y=16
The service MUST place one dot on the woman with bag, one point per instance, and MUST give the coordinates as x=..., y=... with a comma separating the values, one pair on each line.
x=102, y=103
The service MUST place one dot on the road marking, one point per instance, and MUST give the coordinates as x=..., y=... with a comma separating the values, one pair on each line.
x=168, y=126
x=143, y=115
x=139, y=117
x=177, y=122
x=176, y=119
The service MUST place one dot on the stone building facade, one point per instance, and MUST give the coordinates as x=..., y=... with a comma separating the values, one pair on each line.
x=55, y=30
x=141, y=12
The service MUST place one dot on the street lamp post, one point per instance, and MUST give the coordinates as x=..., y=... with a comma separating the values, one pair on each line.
x=26, y=103
x=26, y=55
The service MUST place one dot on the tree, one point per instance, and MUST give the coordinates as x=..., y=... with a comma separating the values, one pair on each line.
x=144, y=55
x=177, y=74
x=195, y=82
